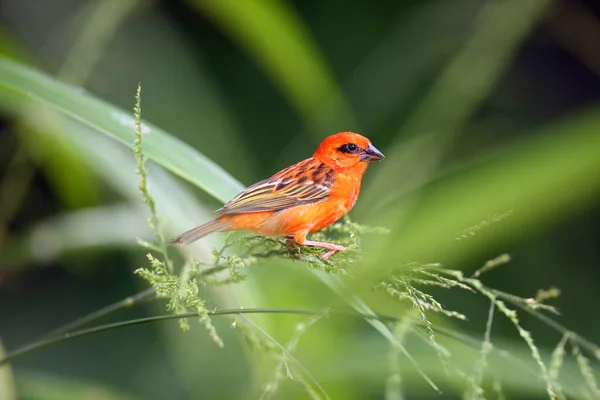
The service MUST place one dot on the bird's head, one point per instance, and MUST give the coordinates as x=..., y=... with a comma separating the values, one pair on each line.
x=347, y=150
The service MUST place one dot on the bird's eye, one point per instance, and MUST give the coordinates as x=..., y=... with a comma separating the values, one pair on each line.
x=349, y=148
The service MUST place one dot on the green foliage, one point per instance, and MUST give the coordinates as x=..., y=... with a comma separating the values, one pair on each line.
x=591, y=390
x=558, y=356
x=393, y=386
x=412, y=193
x=7, y=379
x=38, y=386
x=291, y=58
x=283, y=369
x=182, y=294
x=407, y=283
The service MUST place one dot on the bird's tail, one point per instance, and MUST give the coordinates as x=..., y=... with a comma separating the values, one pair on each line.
x=216, y=225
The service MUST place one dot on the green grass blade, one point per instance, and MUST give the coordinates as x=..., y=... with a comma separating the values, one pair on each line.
x=335, y=284
x=542, y=180
x=457, y=94
x=164, y=149
x=7, y=379
x=276, y=38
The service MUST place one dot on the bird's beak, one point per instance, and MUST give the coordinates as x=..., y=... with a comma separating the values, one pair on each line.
x=371, y=154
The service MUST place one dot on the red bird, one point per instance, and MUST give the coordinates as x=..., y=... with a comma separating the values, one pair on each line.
x=301, y=199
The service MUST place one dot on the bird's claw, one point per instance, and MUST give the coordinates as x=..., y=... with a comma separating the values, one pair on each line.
x=329, y=246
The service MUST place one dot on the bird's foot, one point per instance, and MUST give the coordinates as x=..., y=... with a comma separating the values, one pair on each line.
x=330, y=246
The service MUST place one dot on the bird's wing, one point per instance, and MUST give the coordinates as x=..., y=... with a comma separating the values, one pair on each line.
x=306, y=182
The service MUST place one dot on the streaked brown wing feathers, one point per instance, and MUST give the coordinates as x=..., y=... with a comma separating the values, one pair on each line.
x=306, y=182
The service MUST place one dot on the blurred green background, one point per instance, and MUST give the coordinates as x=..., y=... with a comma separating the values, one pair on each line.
x=482, y=107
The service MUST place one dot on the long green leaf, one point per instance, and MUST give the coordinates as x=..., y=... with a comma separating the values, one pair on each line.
x=457, y=94
x=276, y=38
x=541, y=180
x=180, y=158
